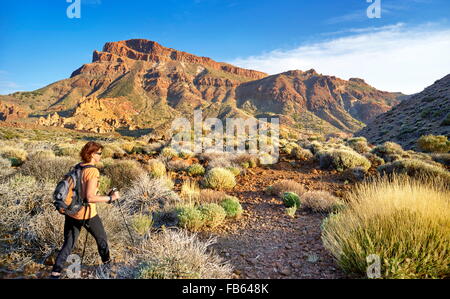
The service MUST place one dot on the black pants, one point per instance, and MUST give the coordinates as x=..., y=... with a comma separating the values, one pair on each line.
x=72, y=229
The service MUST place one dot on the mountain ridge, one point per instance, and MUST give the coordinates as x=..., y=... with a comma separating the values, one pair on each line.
x=156, y=84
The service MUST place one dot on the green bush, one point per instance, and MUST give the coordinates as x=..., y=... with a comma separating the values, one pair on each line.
x=190, y=218
x=213, y=214
x=434, y=144
x=341, y=159
x=219, y=179
x=291, y=199
x=232, y=207
x=142, y=223
x=195, y=170
x=415, y=168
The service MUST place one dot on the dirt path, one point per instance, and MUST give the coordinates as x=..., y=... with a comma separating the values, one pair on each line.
x=267, y=243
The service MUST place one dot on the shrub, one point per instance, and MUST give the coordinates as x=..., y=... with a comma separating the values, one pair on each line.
x=211, y=196
x=301, y=154
x=374, y=160
x=149, y=194
x=354, y=174
x=123, y=173
x=321, y=201
x=68, y=151
x=359, y=144
x=288, y=148
x=156, y=168
x=195, y=170
x=41, y=155
x=291, y=199
x=220, y=179
x=16, y=156
x=314, y=147
x=342, y=159
x=178, y=255
x=281, y=187
x=434, y=144
x=232, y=207
x=403, y=221
x=142, y=224
x=388, y=151
x=189, y=217
x=213, y=214
x=169, y=152
x=51, y=169
x=415, y=168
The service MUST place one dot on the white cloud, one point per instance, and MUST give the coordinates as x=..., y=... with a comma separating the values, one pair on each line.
x=392, y=58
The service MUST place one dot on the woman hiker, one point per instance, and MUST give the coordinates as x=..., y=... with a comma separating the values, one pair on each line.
x=90, y=155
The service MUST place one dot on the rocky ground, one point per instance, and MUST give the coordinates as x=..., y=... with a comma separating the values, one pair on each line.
x=266, y=242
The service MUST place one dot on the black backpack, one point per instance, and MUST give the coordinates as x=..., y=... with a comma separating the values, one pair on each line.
x=70, y=205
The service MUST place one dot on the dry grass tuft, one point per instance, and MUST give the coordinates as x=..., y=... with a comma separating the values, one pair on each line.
x=405, y=222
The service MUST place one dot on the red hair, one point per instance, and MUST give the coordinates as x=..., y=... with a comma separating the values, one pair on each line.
x=87, y=151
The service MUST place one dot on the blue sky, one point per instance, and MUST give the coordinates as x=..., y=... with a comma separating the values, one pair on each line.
x=404, y=50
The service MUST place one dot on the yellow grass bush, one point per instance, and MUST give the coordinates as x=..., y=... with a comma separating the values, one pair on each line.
x=405, y=222
x=219, y=179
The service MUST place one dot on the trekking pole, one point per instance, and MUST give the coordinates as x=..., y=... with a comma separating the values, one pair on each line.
x=123, y=216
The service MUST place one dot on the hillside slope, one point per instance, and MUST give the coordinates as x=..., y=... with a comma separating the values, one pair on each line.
x=425, y=113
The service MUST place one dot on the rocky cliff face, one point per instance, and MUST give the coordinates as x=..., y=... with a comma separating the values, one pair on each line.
x=154, y=84
x=10, y=112
x=425, y=113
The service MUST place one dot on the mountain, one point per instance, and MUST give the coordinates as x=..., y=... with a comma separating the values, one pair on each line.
x=141, y=85
x=425, y=113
